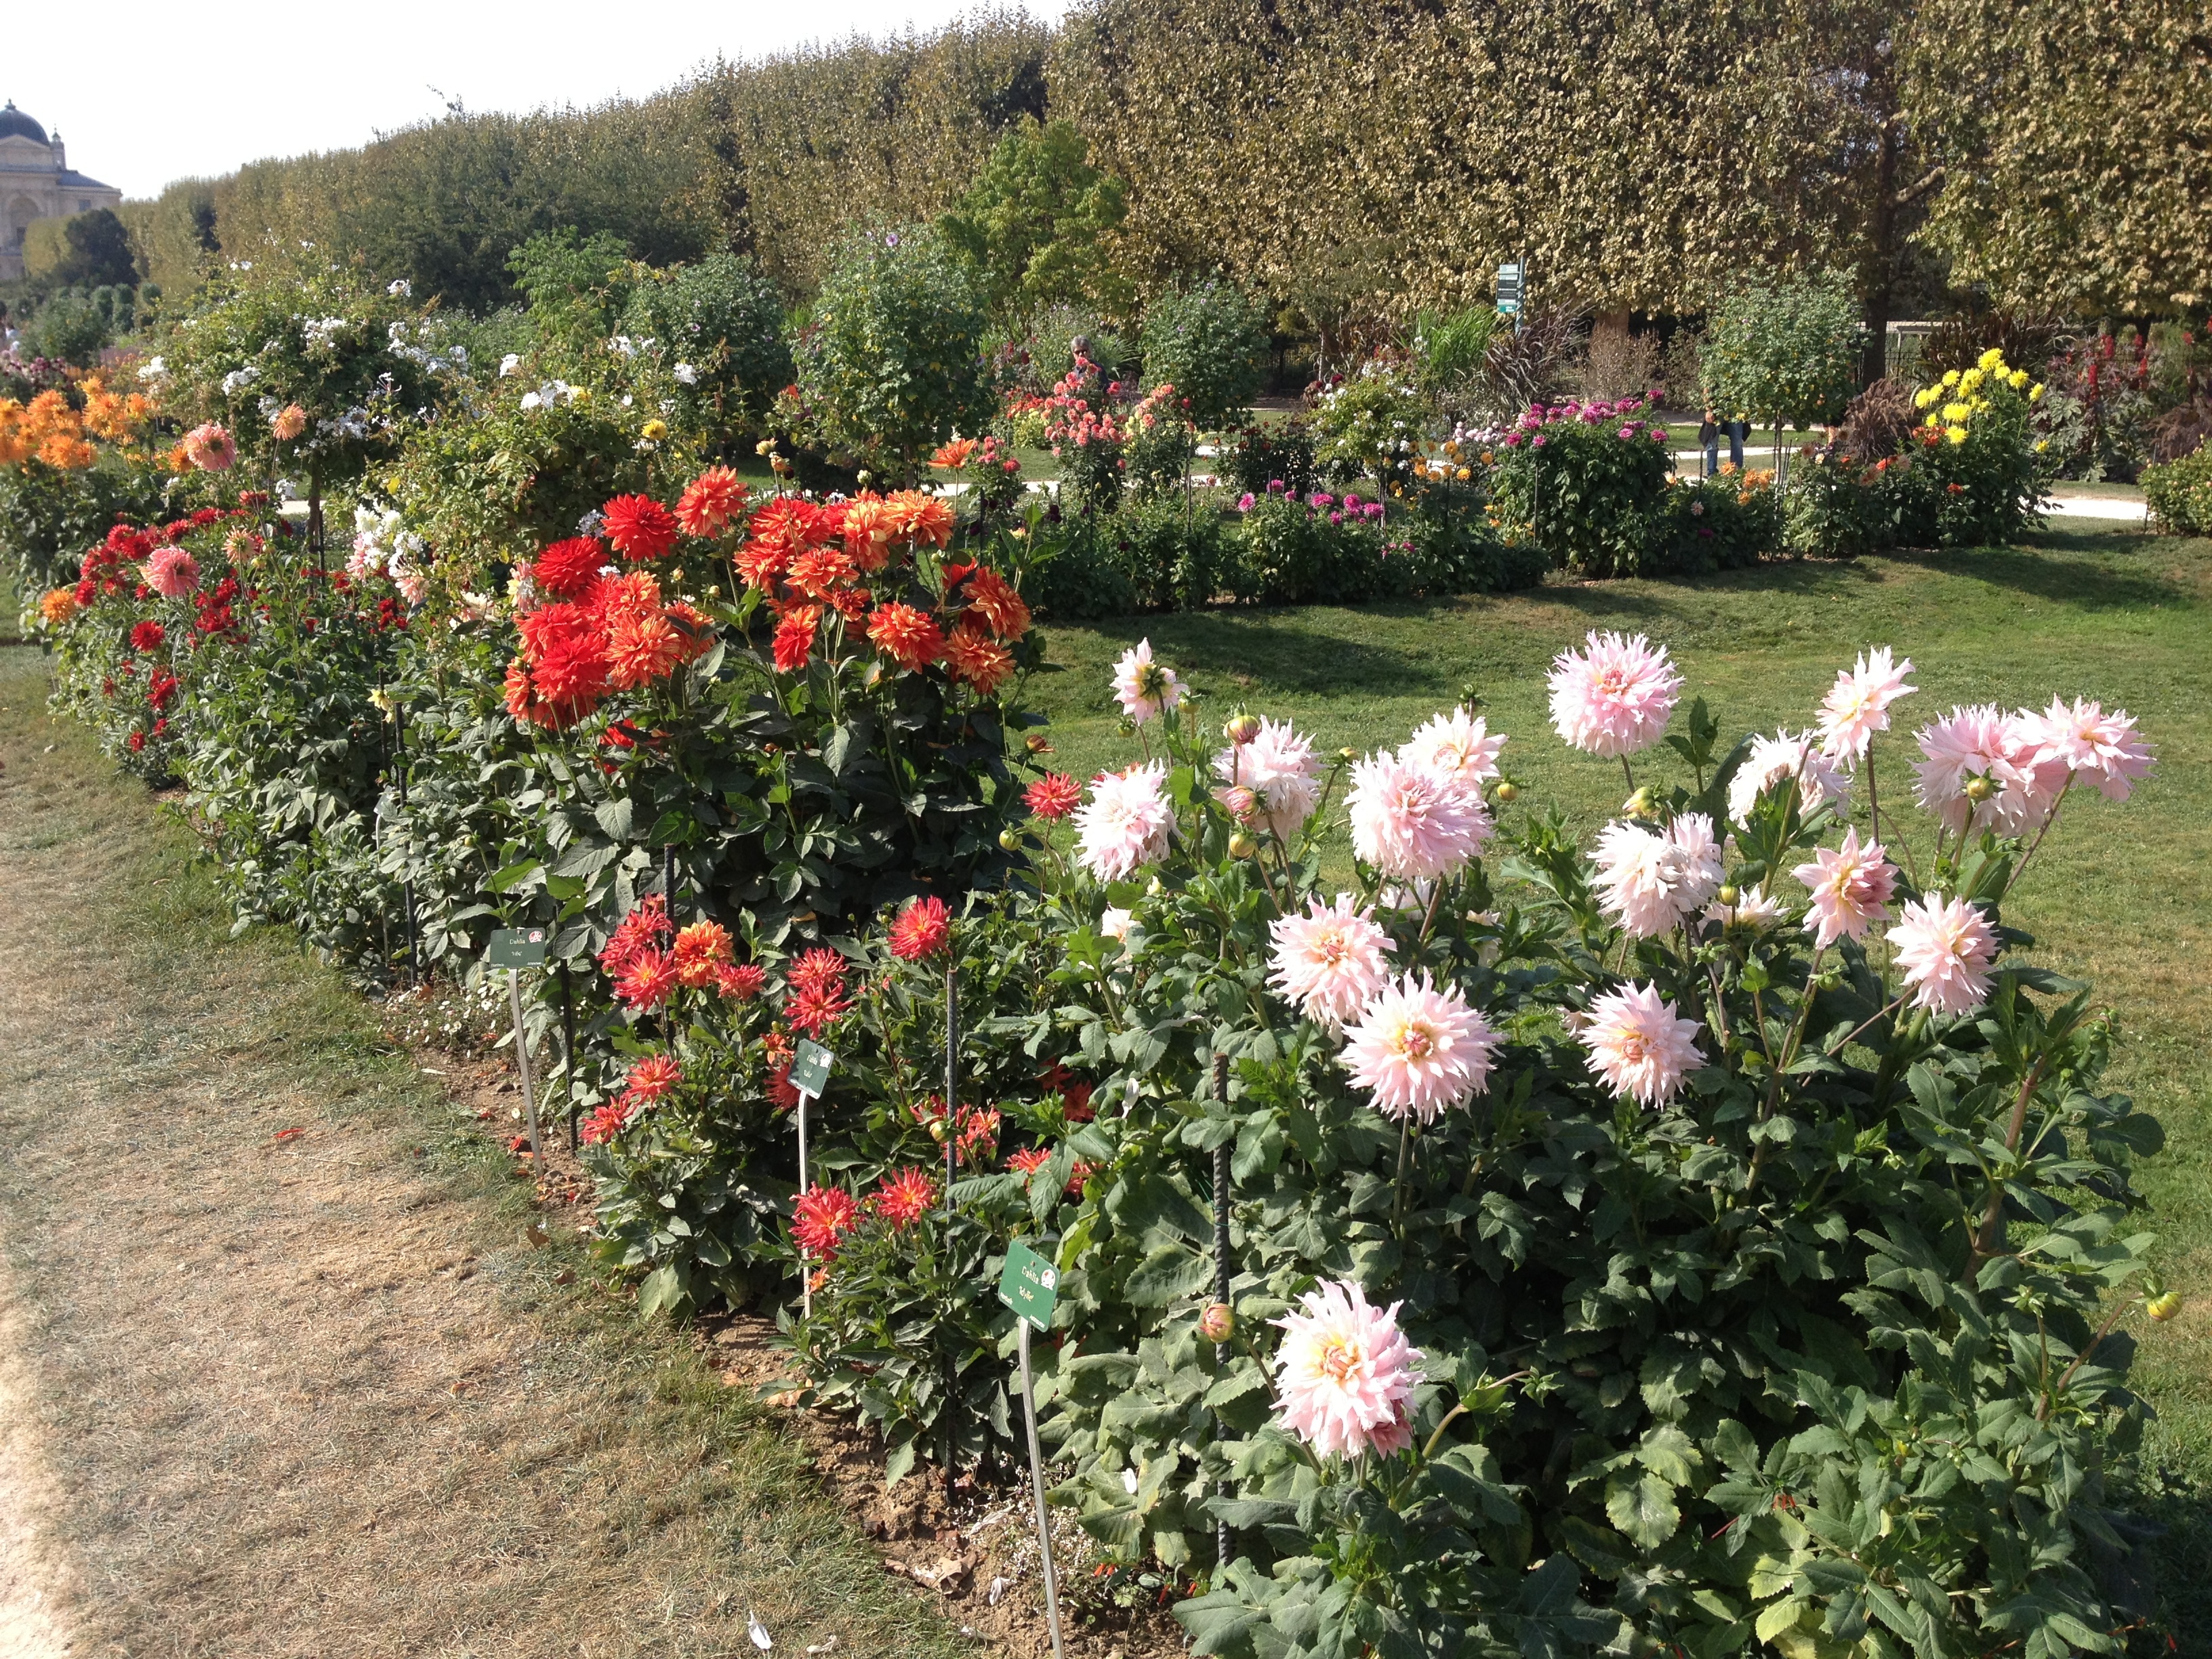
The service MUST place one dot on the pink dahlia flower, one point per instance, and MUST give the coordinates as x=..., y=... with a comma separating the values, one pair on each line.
x=1857, y=704
x=210, y=449
x=1615, y=696
x=1145, y=689
x=1344, y=1376
x=1125, y=822
x=2102, y=749
x=1649, y=880
x=1407, y=824
x=1851, y=886
x=171, y=572
x=1774, y=761
x=1944, y=950
x=1640, y=1045
x=1330, y=961
x=1280, y=767
x=1968, y=744
x=1458, y=748
x=1418, y=1049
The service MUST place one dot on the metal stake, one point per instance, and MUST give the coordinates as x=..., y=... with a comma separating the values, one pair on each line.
x=1037, y=1491
x=569, y=1051
x=952, y=1076
x=806, y=1277
x=1222, y=1274
x=522, y=1065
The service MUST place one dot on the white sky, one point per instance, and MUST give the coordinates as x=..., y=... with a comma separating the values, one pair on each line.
x=142, y=93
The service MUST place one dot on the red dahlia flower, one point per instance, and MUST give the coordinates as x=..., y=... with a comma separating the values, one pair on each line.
x=710, y=502
x=645, y=928
x=921, y=931
x=1028, y=1160
x=603, y=1125
x=639, y=527
x=1053, y=795
x=643, y=650
x=905, y=1197
x=646, y=981
x=818, y=969
x=147, y=636
x=822, y=1217
x=994, y=598
x=908, y=636
x=701, y=949
x=794, y=639
x=974, y=658
x=740, y=984
x=568, y=570
x=653, y=1077
x=782, y=1094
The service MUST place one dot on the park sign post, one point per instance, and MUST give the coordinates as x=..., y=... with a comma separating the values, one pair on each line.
x=1030, y=1284
x=809, y=1075
x=1510, y=283
x=515, y=949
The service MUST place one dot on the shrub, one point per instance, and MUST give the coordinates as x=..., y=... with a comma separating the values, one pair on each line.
x=718, y=325
x=1369, y=423
x=1977, y=458
x=1786, y=352
x=1210, y=341
x=1260, y=456
x=890, y=358
x=1722, y=523
x=1584, y=481
x=1036, y=224
x=2180, y=494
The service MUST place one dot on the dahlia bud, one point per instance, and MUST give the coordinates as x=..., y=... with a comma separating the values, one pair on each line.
x=1241, y=730
x=763, y=446
x=1038, y=743
x=1217, y=1323
x=1640, y=805
x=2165, y=1306
x=1728, y=897
x=938, y=1130
x=1009, y=841
x=1348, y=754
x=862, y=476
x=1508, y=793
x=1979, y=789
x=1242, y=846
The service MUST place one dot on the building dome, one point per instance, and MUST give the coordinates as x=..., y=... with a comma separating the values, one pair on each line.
x=14, y=123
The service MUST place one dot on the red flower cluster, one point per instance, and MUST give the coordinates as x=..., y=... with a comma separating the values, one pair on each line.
x=603, y=634
x=815, y=991
x=923, y=930
x=905, y=1197
x=821, y=1218
x=610, y=1119
x=161, y=688
x=1030, y=1159
x=636, y=955
x=977, y=1132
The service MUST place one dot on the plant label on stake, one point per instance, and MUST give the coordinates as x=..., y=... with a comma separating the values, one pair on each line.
x=515, y=949
x=1030, y=1284
x=810, y=1074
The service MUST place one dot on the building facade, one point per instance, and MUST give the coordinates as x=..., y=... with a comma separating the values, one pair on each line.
x=36, y=182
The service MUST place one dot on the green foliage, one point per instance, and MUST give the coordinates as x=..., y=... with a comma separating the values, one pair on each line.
x=1037, y=224
x=2180, y=494
x=890, y=359
x=49, y=516
x=576, y=286
x=722, y=320
x=1208, y=340
x=69, y=328
x=1376, y=419
x=95, y=251
x=1787, y=352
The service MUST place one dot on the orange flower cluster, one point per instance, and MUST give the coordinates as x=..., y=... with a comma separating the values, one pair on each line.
x=51, y=429
x=613, y=634
x=811, y=558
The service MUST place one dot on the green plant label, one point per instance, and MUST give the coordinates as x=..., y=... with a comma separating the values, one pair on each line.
x=810, y=1067
x=1028, y=1285
x=516, y=947
x=1508, y=288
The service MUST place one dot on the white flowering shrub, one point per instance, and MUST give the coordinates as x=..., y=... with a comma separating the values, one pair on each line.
x=1718, y=1236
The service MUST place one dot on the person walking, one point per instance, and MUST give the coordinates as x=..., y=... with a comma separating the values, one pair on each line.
x=1738, y=432
x=1708, y=440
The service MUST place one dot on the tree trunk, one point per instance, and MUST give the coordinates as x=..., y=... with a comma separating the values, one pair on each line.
x=1882, y=248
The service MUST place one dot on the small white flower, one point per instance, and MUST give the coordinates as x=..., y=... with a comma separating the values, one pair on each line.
x=532, y=400
x=686, y=375
x=402, y=289
x=510, y=363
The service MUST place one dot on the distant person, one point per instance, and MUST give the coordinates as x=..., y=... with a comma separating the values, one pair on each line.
x=1709, y=438
x=1739, y=433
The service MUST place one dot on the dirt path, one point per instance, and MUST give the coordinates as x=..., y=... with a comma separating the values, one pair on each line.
x=277, y=1375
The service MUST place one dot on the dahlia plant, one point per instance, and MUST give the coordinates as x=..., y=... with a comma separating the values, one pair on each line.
x=1586, y=482
x=1716, y=1235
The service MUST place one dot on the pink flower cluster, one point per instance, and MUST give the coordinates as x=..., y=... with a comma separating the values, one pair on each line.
x=1529, y=428
x=1317, y=502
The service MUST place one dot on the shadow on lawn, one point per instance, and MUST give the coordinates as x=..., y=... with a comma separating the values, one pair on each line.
x=1285, y=651
x=2084, y=570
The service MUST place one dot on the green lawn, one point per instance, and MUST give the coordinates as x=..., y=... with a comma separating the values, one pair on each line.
x=2118, y=894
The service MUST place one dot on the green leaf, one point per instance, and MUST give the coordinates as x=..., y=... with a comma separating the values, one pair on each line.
x=1642, y=1509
